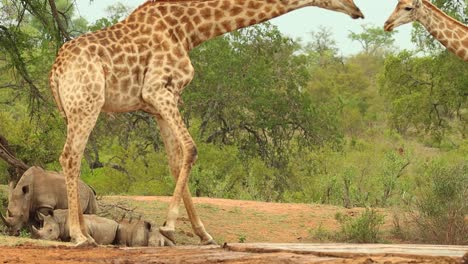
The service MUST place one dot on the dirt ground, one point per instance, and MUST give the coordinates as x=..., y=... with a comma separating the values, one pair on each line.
x=229, y=221
x=250, y=221
x=105, y=255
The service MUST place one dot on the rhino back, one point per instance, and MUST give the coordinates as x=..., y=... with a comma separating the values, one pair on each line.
x=50, y=192
x=133, y=233
x=103, y=230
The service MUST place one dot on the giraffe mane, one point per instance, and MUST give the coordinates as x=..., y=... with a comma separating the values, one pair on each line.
x=440, y=12
x=151, y=2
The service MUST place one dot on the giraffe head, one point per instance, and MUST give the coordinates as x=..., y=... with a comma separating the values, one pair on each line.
x=344, y=6
x=405, y=12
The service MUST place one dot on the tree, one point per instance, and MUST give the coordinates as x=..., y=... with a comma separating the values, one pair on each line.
x=426, y=95
x=249, y=91
x=374, y=40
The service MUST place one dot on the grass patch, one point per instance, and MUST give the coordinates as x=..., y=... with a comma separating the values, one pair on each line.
x=321, y=234
x=10, y=241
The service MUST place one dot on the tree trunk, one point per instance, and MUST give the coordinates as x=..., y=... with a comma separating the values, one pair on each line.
x=17, y=166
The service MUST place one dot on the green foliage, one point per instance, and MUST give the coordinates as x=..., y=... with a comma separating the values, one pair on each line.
x=25, y=233
x=147, y=175
x=363, y=229
x=374, y=40
x=242, y=238
x=273, y=120
x=115, y=13
x=28, y=137
x=361, y=174
x=235, y=92
x=426, y=95
x=322, y=235
x=3, y=197
x=440, y=201
x=393, y=167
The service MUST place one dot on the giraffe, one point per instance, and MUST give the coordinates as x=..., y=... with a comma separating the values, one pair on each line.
x=448, y=31
x=142, y=64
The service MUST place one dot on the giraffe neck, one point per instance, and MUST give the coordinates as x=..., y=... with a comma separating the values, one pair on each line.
x=448, y=31
x=195, y=21
x=230, y=15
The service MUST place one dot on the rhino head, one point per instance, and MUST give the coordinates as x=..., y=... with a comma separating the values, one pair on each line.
x=50, y=228
x=19, y=204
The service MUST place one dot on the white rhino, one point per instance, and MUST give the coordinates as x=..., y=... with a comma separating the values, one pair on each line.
x=42, y=191
x=138, y=233
x=55, y=227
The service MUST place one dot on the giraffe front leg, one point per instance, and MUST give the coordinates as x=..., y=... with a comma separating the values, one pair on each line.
x=173, y=151
x=78, y=232
x=80, y=122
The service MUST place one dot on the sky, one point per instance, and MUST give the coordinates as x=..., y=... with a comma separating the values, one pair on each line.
x=299, y=23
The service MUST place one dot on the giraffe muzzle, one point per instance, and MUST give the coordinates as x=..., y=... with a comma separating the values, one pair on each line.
x=388, y=26
x=358, y=14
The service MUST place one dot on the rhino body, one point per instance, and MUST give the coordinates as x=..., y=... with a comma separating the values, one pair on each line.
x=55, y=227
x=138, y=233
x=129, y=233
x=42, y=191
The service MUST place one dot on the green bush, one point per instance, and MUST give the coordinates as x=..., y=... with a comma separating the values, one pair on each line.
x=322, y=235
x=3, y=203
x=440, y=202
x=3, y=196
x=363, y=229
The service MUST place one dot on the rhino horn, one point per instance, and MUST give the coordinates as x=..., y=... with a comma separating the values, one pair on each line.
x=41, y=216
x=34, y=232
x=4, y=220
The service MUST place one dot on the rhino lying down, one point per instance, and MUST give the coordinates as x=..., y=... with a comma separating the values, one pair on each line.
x=104, y=231
x=137, y=233
x=42, y=191
x=55, y=227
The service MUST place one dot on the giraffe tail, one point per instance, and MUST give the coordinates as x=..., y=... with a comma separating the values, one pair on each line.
x=54, y=86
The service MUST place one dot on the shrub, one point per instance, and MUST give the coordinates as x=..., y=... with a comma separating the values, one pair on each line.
x=3, y=196
x=440, y=203
x=321, y=234
x=3, y=203
x=363, y=229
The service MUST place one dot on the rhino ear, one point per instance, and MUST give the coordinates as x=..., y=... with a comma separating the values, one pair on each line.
x=25, y=189
x=147, y=225
x=49, y=211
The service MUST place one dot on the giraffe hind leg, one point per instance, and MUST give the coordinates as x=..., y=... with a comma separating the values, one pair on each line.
x=164, y=105
x=173, y=151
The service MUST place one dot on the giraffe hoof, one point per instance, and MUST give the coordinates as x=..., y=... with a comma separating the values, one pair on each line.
x=86, y=243
x=167, y=234
x=165, y=242
x=210, y=242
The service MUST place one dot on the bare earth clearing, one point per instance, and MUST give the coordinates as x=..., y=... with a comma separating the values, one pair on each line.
x=230, y=221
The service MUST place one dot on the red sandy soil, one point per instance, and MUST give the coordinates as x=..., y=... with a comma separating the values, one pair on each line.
x=226, y=219
x=66, y=255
